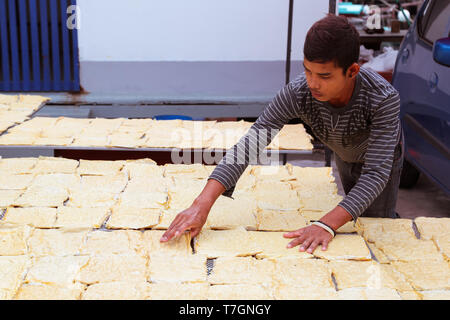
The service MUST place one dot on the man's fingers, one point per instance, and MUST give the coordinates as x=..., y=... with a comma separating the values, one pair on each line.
x=174, y=233
x=195, y=232
x=182, y=228
x=309, y=239
x=313, y=246
x=293, y=234
x=168, y=234
x=172, y=230
x=295, y=242
x=325, y=244
x=305, y=245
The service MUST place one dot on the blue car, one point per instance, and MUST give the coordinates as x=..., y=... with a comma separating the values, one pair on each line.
x=422, y=77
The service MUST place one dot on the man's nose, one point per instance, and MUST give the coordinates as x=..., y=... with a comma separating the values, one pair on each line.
x=314, y=84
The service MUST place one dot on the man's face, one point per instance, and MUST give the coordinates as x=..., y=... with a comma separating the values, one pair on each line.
x=326, y=81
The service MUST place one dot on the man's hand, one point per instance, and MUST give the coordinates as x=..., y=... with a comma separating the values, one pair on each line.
x=195, y=216
x=309, y=238
x=191, y=219
x=312, y=236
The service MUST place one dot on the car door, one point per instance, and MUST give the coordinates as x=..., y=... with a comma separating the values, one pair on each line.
x=424, y=90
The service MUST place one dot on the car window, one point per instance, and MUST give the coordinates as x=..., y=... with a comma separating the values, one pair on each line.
x=435, y=21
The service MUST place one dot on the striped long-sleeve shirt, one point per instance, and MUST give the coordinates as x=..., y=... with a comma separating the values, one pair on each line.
x=366, y=131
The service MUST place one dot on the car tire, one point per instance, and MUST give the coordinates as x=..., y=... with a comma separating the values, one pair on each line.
x=409, y=175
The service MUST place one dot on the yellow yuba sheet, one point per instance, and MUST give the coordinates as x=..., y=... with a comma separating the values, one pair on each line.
x=145, y=133
x=90, y=230
x=15, y=109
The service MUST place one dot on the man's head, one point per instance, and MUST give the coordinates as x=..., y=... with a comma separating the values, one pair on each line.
x=331, y=53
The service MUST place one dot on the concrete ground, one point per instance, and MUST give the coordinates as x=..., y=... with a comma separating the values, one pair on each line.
x=425, y=199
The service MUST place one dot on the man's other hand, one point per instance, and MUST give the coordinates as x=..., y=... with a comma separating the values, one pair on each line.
x=309, y=238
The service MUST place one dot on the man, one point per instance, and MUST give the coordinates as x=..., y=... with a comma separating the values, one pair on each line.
x=353, y=111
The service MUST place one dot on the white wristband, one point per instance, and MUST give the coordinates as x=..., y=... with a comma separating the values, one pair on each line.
x=324, y=226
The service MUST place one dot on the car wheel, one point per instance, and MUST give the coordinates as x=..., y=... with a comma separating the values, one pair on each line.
x=409, y=175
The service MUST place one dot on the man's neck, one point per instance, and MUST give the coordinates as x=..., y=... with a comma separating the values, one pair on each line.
x=346, y=96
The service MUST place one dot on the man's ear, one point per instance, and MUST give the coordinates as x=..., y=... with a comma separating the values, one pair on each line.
x=353, y=70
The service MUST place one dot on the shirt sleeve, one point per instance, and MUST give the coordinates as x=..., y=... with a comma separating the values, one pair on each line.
x=278, y=113
x=378, y=159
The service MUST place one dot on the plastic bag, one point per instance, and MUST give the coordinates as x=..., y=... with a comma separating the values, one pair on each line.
x=384, y=62
x=365, y=54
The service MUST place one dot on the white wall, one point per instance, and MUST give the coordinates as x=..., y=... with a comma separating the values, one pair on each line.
x=306, y=12
x=193, y=30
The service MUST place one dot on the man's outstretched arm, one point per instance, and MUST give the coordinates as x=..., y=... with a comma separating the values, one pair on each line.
x=223, y=179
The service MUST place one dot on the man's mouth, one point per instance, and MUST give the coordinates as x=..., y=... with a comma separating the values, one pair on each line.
x=316, y=93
